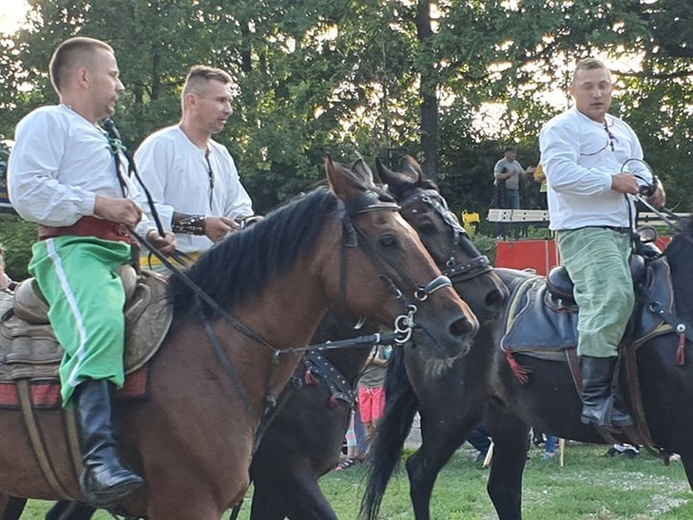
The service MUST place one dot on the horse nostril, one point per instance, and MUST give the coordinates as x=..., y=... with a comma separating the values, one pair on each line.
x=461, y=327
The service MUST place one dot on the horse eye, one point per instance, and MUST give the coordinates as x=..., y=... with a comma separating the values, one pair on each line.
x=387, y=241
x=426, y=228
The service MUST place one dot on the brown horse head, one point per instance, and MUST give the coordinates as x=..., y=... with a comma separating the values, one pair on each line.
x=378, y=242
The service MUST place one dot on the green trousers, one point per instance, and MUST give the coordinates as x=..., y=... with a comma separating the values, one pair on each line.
x=597, y=262
x=86, y=298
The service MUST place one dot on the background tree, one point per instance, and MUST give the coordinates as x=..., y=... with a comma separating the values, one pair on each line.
x=377, y=77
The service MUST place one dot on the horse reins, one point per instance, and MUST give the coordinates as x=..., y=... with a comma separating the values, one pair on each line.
x=354, y=237
x=403, y=323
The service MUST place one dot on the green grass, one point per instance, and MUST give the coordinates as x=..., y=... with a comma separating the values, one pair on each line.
x=589, y=487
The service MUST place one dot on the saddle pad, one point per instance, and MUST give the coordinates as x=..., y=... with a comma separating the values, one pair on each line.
x=537, y=320
x=31, y=351
x=538, y=323
x=45, y=395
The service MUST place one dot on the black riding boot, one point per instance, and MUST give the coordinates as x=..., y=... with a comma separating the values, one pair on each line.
x=598, y=405
x=104, y=480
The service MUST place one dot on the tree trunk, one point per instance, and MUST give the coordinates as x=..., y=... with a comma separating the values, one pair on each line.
x=428, y=88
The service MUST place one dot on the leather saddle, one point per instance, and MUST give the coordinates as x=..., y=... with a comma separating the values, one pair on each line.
x=542, y=316
x=29, y=349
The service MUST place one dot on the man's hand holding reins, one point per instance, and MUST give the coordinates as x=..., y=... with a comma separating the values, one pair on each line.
x=165, y=244
x=625, y=183
x=659, y=198
x=118, y=210
x=218, y=228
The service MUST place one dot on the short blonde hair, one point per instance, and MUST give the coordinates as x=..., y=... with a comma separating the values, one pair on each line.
x=198, y=79
x=72, y=53
x=589, y=64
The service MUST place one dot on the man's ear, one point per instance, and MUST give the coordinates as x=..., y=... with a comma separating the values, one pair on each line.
x=82, y=77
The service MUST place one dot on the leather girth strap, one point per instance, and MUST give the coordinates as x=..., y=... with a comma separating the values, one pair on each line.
x=38, y=441
x=628, y=351
x=638, y=434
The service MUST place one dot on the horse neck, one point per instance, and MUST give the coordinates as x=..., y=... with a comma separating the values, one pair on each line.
x=287, y=313
x=682, y=278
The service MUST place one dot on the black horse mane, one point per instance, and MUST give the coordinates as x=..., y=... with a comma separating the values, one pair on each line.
x=684, y=240
x=243, y=263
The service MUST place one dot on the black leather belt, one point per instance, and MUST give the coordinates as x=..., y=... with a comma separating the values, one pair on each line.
x=623, y=230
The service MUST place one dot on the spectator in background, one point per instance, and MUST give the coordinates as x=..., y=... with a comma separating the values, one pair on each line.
x=371, y=388
x=481, y=440
x=540, y=177
x=549, y=447
x=356, y=440
x=507, y=173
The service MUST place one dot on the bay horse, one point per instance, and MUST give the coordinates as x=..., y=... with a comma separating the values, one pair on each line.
x=548, y=401
x=193, y=439
x=304, y=439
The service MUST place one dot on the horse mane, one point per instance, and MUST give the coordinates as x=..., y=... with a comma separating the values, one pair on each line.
x=245, y=262
x=684, y=238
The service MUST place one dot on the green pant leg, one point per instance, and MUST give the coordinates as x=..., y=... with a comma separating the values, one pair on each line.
x=597, y=261
x=86, y=298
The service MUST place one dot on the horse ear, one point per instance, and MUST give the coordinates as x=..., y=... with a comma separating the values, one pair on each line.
x=398, y=182
x=363, y=172
x=384, y=173
x=343, y=183
x=411, y=167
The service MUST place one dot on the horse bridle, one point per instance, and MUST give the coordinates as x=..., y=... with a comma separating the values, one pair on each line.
x=403, y=326
x=456, y=271
x=352, y=236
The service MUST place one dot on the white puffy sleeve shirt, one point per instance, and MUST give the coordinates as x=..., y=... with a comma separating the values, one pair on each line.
x=177, y=175
x=580, y=156
x=59, y=164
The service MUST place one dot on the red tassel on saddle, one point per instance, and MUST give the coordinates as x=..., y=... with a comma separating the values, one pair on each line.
x=521, y=373
x=334, y=402
x=310, y=378
x=681, y=350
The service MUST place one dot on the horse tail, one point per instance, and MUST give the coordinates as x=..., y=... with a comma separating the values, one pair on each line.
x=401, y=405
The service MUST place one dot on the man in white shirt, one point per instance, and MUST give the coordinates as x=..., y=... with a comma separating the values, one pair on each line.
x=192, y=178
x=65, y=174
x=591, y=160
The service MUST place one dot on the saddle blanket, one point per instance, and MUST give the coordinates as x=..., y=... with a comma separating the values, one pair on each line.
x=45, y=395
x=540, y=324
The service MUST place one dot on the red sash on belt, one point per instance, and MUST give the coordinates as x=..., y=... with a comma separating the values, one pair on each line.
x=89, y=227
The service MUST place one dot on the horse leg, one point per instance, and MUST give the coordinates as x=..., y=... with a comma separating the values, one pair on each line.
x=510, y=445
x=440, y=440
x=308, y=501
x=687, y=461
x=267, y=503
x=296, y=496
x=65, y=510
x=11, y=507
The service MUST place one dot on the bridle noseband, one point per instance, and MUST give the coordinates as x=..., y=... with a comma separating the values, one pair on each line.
x=456, y=271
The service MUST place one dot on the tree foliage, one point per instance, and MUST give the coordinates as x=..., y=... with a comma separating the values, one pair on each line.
x=377, y=77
